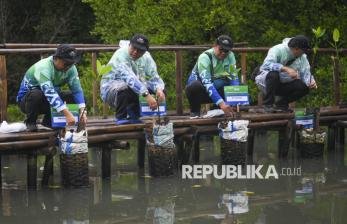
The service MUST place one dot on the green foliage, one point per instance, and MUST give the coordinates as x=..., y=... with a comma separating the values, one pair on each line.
x=318, y=34
x=336, y=39
x=101, y=69
x=14, y=113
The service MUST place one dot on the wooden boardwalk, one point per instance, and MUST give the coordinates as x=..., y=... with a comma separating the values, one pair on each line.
x=106, y=135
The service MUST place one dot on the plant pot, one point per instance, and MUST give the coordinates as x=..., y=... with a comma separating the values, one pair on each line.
x=161, y=161
x=74, y=170
x=233, y=152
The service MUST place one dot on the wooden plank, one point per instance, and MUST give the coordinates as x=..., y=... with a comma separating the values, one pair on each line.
x=336, y=78
x=179, y=96
x=244, y=68
x=95, y=84
x=3, y=88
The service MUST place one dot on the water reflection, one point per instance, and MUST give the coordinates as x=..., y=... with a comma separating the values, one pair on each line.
x=318, y=196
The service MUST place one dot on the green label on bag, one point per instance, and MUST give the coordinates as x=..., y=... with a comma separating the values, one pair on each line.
x=147, y=111
x=58, y=118
x=235, y=95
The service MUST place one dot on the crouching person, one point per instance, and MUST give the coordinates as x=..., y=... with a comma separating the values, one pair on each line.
x=40, y=88
x=285, y=73
x=134, y=73
x=209, y=76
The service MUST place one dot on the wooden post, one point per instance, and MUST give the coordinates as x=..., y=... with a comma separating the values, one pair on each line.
x=283, y=143
x=95, y=84
x=250, y=146
x=196, y=148
x=106, y=162
x=47, y=170
x=141, y=145
x=336, y=77
x=179, y=96
x=104, y=110
x=331, y=145
x=32, y=170
x=244, y=68
x=3, y=88
x=341, y=145
x=260, y=98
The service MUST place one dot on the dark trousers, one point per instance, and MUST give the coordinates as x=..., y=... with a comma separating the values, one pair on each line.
x=197, y=95
x=128, y=103
x=289, y=92
x=35, y=103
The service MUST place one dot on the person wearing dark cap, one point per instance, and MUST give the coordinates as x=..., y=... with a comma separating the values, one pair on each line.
x=285, y=73
x=40, y=88
x=134, y=73
x=209, y=76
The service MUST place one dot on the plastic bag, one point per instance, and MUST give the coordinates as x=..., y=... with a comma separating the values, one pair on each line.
x=214, y=113
x=14, y=127
x=234, y=130
x=74, y=142
x=163, y=135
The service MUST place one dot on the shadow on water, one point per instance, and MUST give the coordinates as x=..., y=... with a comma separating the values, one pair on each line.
x=313, y=191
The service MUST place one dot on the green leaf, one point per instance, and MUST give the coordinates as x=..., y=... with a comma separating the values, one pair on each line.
x=105, y=69
x=98, y=66
x=336, y=35
x=322, y=33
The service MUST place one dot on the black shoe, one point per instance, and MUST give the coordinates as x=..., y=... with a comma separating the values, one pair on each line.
x=31, y=126
x=283, y=109
x=269, y=109
x=194, y=115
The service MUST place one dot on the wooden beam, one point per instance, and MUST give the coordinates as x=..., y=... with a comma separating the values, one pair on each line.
x=95, y=84
x=179, y=76
x=244, y=68
x=3, y=88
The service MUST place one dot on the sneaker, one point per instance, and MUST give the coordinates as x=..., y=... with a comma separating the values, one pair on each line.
x=122, y=121
x=194, y=115
x=269, y=109
x=31, y=126
x=136, y=121
x=283, y=109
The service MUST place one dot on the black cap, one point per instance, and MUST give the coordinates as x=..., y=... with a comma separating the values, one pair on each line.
x=140, y=41
x=67, y=53
x=300, y=41
x=225, y=42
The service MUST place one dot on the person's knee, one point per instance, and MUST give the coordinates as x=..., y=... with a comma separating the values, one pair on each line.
x=273, y=76
x=193, y=87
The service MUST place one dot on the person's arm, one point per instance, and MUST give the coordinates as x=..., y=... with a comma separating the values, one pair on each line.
x=204, y=69
x=154, y=82
x=77, y=92
x=305, y=73
x=272, y=63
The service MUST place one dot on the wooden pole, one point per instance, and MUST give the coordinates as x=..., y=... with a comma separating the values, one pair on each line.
x=95, y=84
x=336, y=77
x=3, y=88
x=244, y=68
x=179, y=76
x=141, y=145
x=106, y=162
x=32, y=170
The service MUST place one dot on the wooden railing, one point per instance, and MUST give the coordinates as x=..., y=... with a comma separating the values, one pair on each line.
x=9, y=49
